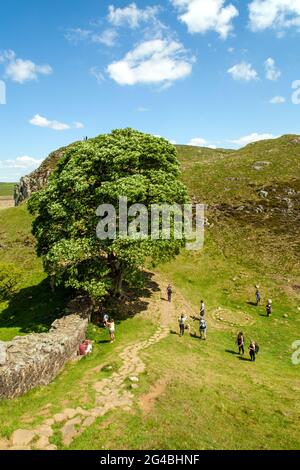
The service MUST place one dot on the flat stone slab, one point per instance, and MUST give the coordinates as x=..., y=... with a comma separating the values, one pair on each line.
x=44, y=430
x=22, y=437
x=59, y=418
x=42, y=443
x=4, y=444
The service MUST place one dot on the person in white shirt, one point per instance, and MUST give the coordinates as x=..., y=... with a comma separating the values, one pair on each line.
x=182, y=319
x=111, y=328
x=202, y=328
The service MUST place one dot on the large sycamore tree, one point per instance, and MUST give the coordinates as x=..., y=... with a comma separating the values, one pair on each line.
x=125, y=163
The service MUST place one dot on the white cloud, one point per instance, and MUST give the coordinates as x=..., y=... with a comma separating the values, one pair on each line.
x=157, y=62
x=141, y=109
x=255, y=137
x=75, y=35
x=41, y=121
x=202, y=16
x=197, y=142
x=200, y=142
x=78, y=125
x=277, y=100
x=272, y=73
x=131, y=15
x=107, y=37
x=21, y=162
x=243, y=71
x=95, y=72
x=20, y=70
x=276, y=14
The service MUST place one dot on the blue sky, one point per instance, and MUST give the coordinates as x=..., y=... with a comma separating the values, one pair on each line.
x=206, y=72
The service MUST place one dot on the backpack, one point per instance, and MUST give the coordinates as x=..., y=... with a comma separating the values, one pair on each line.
x=256, y=349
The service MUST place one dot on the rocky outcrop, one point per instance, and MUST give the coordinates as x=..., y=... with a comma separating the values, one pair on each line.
x=36, y=359
x=38, y=179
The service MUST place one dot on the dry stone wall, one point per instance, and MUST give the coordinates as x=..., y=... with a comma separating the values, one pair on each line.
x=36, y=359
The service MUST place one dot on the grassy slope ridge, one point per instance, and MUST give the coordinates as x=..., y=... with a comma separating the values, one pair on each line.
x=7, y=189
x=210, y=399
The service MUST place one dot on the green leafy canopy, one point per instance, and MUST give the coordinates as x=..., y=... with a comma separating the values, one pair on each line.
x=126, y=163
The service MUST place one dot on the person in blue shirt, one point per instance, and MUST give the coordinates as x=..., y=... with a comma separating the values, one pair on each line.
x=258, y=296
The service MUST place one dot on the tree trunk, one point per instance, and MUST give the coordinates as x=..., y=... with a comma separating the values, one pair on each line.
x=117, y=275
x=52, y=284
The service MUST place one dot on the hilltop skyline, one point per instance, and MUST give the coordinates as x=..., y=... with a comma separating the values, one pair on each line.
x=215, y=73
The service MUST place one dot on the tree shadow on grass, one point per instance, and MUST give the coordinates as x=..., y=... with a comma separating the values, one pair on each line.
x=134, y=301
x=33, y=309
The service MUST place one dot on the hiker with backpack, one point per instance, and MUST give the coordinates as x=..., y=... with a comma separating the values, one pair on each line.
x=202, y=328
x=257, y=296
x=253, y=350
x=241, y=342
x=169, y=292
x=269, y=308
x=181, y=320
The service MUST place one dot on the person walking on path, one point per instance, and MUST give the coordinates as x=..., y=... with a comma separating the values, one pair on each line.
x=241, y=342
x=257, y=296
x=269, y=308
x=110, y=324
x=202, y=309
x=181, y=320
x=252, y=350
x=202, y=328
x=169, y=292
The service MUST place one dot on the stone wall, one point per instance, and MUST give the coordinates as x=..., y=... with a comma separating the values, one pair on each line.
x=36, y=359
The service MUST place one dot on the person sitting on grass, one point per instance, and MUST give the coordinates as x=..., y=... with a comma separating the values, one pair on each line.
x=182, y=319
x=269, y=308
x=202, y=328
x=241, y=342
x=89, y=346
x=110, y=324
x=85, y=347
x=82, y=349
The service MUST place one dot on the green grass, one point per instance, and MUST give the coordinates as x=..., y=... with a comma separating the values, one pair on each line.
x=210, y=399
x=7, y=189
x=34, y=307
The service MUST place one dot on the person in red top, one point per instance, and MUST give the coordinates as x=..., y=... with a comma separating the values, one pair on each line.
x=82, y=348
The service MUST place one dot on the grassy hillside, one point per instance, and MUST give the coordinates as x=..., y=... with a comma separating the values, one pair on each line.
x=193, y=394
x=7, y=189
x=34, y=308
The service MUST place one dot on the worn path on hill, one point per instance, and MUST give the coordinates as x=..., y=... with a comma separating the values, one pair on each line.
x=110, y=393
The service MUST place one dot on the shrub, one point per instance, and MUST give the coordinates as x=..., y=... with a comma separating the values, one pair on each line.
x=10, y=277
